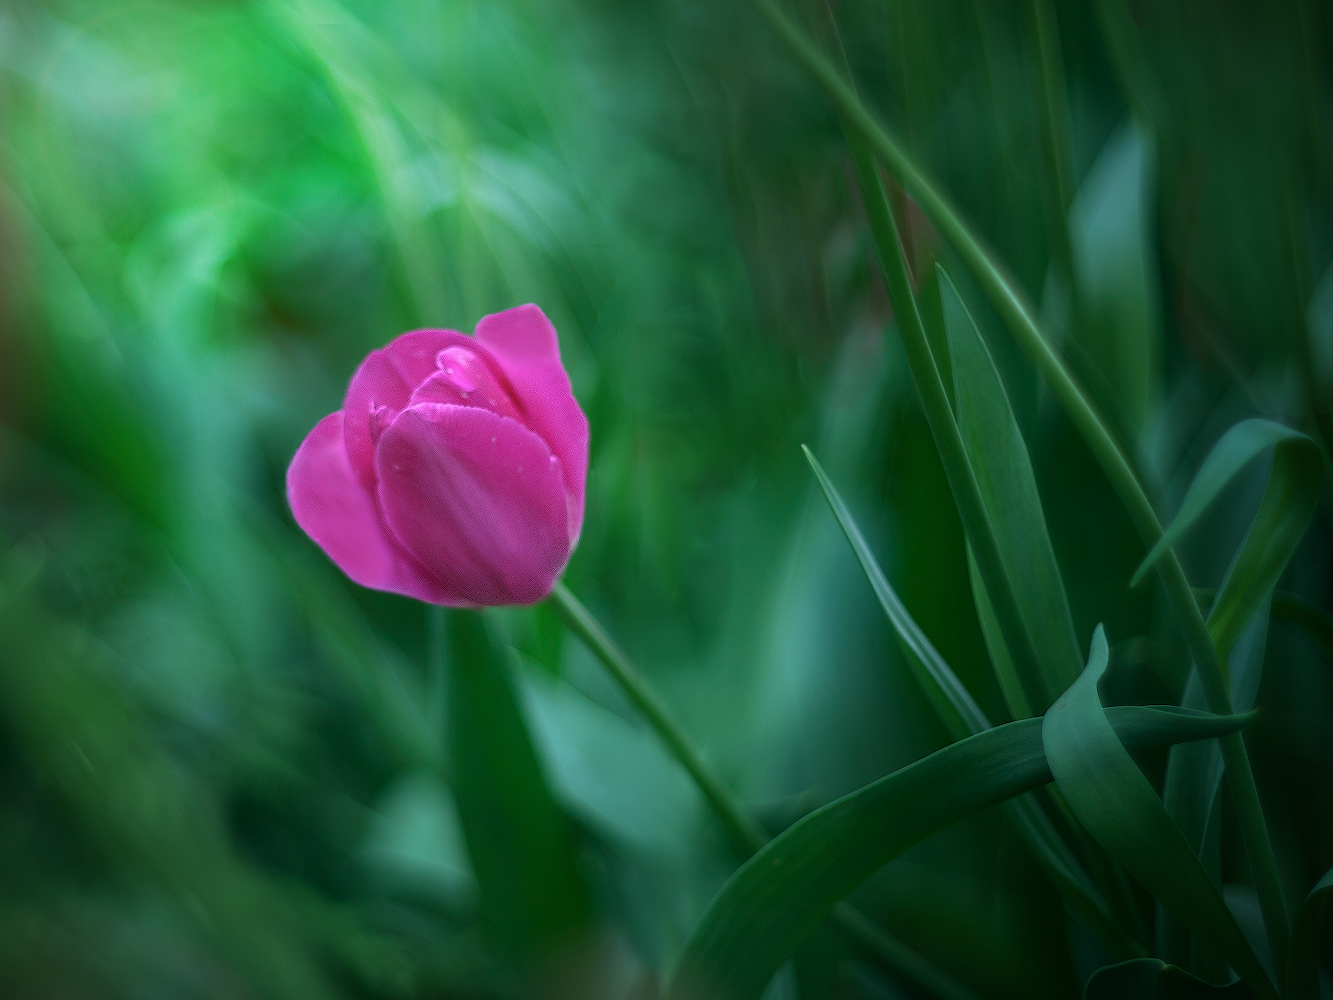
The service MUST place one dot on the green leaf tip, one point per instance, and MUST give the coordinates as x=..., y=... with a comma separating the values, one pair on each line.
x=1234, y=451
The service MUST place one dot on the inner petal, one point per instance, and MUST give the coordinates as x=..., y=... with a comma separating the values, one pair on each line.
x=464, y=378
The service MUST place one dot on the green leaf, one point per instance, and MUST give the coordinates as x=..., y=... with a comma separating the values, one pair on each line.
x=1015, y=698
x=1192, y=788
x=1284, y=513
x=519, y=842
x=1303, y=958
x=999, y=459
x=1288, y=502
x=615, y=776
x=1114, y=801
x=1153, y=979
x=775, y=899
x=963, y=717
x=954, y=704
x=1118, y=326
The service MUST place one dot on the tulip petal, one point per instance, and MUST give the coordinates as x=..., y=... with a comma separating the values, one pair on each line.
x=387, y=378
x=334, y=509
x=524, y=343
x=479, y=499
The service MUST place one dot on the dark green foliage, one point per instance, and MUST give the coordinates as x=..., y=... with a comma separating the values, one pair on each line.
x=226, y=772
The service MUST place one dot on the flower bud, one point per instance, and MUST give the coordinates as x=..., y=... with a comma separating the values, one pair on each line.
x=455, y=471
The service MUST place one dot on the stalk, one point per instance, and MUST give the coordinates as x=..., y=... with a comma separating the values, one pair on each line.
x=1010, y=303
x=745, y=835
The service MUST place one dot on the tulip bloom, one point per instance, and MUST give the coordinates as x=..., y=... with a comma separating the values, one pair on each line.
x=455, y=471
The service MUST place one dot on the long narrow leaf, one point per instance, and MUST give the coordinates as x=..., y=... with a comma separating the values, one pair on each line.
x=1153, y=979
x=1238, y=447
x=1303, y=959
x=963, y=717
x=769, y=905
x=1003, y=469
x=956, y=707
x=1192, y=788
x=1111, y=797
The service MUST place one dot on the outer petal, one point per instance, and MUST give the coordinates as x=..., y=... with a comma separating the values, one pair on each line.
x=335, y=510
x=387, y=378
x=523, y=342
x=479, y=499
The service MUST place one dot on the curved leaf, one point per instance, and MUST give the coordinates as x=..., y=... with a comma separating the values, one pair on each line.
x=1303, y=958
x=1111, y=797
x=1003, y=470
x=1293, y=453
x=1284, y=512
x=954, y=704
x=768, y=906
x=1153, y=979
x=963, y=717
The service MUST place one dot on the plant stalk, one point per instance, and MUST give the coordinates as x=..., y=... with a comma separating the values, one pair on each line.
x=745, y=835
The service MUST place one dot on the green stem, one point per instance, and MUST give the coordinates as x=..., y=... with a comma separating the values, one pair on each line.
x=1010, y=303
x=746, y=836
x=1053, y=125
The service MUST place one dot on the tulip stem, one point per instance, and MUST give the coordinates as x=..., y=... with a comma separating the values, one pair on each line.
x=746, y=837
x=741, y=828
x=1017, y=314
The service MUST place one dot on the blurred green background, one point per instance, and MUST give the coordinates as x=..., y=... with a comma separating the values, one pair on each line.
x=221, y=764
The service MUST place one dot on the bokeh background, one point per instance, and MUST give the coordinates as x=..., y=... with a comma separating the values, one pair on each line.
x=221, y=763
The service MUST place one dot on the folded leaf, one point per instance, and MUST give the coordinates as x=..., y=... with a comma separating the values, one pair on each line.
x=767, y=907
x=1114, y=801
x=1153, y=979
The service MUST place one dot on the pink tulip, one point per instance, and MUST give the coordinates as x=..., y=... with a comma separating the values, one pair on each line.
x=455, y=471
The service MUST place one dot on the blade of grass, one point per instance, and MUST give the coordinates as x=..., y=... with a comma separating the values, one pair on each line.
x=963, y=717
x=1117, y=805
x=1192, y=787
x=1303, y=967
x=1151, y=977
x=767, y=907
x=1288, y=503
x=1017, y=314
x=999, y=458
x=958, y=470
x=1053, y=126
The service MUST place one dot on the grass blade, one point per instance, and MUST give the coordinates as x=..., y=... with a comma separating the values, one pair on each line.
x=1237, y=448
x=1192, y=788
x=1111, y=797
x=963, y=717
x=1017, y=313
x=1150, y=978
x=956, y=707
x=1303, y=959
x=999, y=458
x=765, y=910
